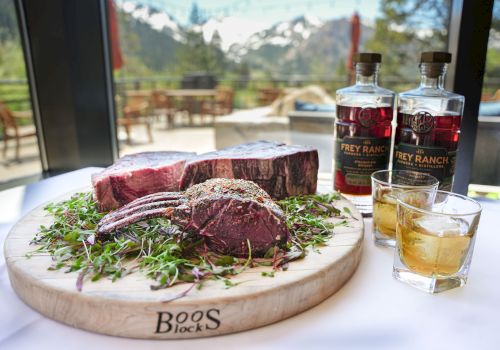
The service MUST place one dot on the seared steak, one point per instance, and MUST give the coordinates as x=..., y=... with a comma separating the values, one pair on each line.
x=137, y=175
x=281, y=170
x=229, y=214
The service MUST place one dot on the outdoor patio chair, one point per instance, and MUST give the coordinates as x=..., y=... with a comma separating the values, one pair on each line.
x=136, y=114
x=222, y=104
x=11, y=131
x=164, y=105
x=266, y=96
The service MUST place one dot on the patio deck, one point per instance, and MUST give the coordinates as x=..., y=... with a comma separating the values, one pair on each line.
x=198, y=139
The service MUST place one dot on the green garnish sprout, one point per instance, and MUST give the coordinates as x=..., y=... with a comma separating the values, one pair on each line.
x=164, y=253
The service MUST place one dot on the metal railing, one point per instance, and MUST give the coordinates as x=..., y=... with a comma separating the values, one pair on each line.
x=246, y=88
x=15, y=92
x=139, y=83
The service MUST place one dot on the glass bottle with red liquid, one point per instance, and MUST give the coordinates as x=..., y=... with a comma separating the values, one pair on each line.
x=363, y=131
x=428, y=123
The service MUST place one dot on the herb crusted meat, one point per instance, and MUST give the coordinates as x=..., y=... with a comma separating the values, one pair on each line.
x=234, y=217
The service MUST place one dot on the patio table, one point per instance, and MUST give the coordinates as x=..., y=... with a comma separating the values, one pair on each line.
x=175, y=93
x=191, y=99
x=371, y=311
x=192, y=93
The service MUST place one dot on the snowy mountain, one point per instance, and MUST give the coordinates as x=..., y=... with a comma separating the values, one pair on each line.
x=285, y=34
x=232, y=30
x=158, y=20
x=303, y=45
x=238, y=35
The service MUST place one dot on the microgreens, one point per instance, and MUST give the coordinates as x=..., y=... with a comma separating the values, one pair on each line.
x=164, y=253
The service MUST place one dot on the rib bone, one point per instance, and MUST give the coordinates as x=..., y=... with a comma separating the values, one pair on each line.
x=227, y=213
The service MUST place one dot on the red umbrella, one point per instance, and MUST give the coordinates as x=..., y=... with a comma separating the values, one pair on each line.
x=116, y=54
x=355, y=35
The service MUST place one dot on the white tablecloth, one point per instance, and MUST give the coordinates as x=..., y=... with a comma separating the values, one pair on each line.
x=371, y=311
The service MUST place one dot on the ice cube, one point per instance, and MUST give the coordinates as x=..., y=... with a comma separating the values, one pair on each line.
x=389, y=198
x=441, y=225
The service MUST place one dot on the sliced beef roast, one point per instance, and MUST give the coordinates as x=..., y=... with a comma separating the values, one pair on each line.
x=281, y=170
x=137, y=175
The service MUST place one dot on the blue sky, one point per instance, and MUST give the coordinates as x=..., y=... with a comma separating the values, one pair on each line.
x=270, y=11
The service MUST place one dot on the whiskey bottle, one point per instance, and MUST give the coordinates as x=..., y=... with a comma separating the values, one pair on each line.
x=364, y=114
x=428, y=123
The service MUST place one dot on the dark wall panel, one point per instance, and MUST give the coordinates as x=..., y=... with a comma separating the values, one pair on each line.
x=468, y=41
x=71, y=77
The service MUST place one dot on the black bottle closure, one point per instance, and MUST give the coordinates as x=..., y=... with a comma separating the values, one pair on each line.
x=433, y=63
x=367, y=63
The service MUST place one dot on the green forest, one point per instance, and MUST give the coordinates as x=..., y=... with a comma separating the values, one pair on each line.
x=148, y=53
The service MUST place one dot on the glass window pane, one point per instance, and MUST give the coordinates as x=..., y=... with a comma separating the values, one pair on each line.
x=486, y=167
x=20, y=156
x=205, y=75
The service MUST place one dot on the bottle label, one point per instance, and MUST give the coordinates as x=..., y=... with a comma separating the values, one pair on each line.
x=359, y=157
x=436, y=161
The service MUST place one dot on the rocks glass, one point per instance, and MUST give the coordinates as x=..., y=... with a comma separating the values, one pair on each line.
x=386, y=185
x=435, y=238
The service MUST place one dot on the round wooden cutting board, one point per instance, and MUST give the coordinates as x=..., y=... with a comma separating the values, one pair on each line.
x=128, y=308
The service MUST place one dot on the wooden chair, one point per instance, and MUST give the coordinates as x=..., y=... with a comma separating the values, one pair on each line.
x=485, y=97
x=266, y=96
x=222, y=104
x=164, y=105
x=10, y=129
x=136, y=114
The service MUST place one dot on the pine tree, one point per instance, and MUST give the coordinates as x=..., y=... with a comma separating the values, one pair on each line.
x=195, y=16
x=218, y=56
x=398, y=33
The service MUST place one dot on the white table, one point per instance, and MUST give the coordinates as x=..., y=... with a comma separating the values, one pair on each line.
x=371, y=311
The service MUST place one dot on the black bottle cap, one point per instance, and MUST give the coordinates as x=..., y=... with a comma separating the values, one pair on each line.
x=367, y=57
x=435, y=57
